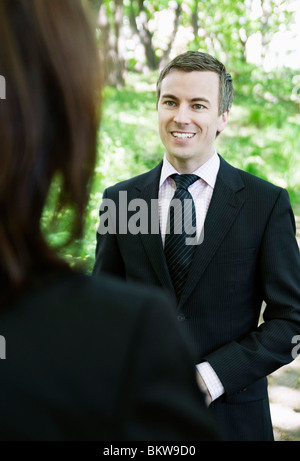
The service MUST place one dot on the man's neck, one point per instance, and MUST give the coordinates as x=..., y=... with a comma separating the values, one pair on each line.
x=188, y=166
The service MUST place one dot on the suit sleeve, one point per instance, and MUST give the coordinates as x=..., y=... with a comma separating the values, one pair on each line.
x=265, y=349
x=161, y=398
x=108, y=258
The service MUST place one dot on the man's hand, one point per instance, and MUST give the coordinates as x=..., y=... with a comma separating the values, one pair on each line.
x=203, y=388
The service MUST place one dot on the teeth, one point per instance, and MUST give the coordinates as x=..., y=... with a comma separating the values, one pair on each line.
x=182, y=135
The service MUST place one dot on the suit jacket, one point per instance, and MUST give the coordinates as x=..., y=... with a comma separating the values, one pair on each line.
x=249, y=256
x=90, y=359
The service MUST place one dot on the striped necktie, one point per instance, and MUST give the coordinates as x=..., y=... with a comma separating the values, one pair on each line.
x=181, y=228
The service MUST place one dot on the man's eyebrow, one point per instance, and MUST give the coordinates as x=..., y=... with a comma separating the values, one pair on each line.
x=197, y=99
x=201, y=99
x=169, y=96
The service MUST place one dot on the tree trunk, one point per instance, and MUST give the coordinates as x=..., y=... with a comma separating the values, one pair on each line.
x=143, y=33
x=112, y=59
x=166, y=54
x=119, y=44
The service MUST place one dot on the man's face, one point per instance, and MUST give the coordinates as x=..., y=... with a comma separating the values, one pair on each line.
x=188, y=117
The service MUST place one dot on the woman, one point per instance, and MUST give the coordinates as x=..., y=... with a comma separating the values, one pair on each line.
x=83, y=356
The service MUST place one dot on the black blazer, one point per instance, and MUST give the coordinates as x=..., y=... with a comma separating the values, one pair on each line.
x=90, y=359
x=249, y=256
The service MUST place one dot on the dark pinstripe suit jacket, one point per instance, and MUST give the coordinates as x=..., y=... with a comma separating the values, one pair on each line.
x=249, y=256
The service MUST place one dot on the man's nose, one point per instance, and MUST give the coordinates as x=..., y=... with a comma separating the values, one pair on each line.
x=182, y=115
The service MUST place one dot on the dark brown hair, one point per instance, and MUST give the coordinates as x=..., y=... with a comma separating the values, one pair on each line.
x=195, y=60
x=48, y=126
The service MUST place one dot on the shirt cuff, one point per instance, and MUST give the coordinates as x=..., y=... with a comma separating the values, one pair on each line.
x=214, y=385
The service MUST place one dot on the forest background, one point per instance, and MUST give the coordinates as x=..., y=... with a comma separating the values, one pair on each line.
x=257, y=40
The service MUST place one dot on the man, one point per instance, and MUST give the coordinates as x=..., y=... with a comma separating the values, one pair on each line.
x=247, y=251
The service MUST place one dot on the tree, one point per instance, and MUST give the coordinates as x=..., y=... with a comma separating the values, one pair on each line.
x=110, y=32
x=141, y=14
x=109, y=20
x=219, y=28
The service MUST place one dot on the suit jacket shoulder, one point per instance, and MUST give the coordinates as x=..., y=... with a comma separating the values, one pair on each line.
x=227, y=172
x=104, y=351
x=137, y=182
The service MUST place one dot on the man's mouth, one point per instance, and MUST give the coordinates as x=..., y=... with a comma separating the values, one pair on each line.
x=182, y=135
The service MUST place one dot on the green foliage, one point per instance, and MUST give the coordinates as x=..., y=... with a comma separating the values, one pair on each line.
x=264, y=125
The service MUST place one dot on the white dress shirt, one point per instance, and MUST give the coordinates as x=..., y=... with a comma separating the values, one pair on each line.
x=201, y=191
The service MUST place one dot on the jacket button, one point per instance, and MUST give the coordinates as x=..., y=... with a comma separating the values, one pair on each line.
x=242, y=390
x=180, y=317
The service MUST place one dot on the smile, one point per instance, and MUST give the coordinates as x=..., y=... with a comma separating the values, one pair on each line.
x=182, y=135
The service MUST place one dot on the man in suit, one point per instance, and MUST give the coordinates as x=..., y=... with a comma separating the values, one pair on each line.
x=246, y=254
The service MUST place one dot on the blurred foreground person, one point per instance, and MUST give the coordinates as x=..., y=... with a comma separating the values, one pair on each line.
x=86, y=359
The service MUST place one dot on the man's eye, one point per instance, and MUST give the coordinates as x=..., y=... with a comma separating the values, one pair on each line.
x=170, y=103
x=198, y=106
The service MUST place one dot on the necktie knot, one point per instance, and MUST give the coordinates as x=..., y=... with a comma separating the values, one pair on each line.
x=183, y=181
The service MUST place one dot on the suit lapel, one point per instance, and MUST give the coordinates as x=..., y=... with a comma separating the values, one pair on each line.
x=223, y=210
x=152, y=241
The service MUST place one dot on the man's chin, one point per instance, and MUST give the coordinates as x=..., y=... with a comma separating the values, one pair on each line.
x=182, y=156
x=192, y=160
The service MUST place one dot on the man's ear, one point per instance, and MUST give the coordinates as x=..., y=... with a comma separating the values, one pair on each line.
x=223, y=121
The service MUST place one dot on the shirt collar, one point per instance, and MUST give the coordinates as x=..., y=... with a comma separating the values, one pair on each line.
x=207, y=172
